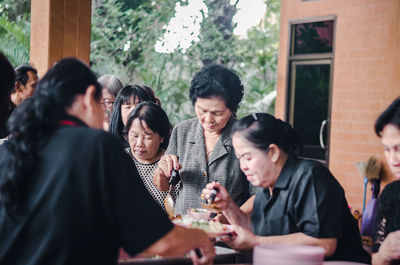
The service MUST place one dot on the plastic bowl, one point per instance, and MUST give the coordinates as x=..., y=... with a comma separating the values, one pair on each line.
x=199, y=214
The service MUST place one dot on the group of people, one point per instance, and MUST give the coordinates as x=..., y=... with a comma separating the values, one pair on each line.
x=87, y=163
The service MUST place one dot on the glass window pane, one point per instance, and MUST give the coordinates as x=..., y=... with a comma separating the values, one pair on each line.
x=311, y=99
x=313, y=37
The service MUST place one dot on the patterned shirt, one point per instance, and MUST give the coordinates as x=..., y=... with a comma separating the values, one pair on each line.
x=146, y=172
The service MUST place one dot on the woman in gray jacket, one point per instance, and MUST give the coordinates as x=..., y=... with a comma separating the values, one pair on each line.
x=201, y=147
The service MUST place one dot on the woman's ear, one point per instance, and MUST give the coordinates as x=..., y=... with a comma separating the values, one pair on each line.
x=89, y=99
x=274, y=152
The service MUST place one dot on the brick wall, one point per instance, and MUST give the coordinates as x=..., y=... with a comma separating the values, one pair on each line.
x=366, y=78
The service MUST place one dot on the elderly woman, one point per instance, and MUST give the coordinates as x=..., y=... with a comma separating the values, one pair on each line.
x=67, y=189
x=147, y=132
x=386, y=243
x=201, y=147
x=111, y=86
x=300, y=201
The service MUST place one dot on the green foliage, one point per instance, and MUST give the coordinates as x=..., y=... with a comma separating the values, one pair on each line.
x=15, y=30
x=117, y=23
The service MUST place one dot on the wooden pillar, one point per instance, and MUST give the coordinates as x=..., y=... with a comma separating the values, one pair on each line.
x=59, y=29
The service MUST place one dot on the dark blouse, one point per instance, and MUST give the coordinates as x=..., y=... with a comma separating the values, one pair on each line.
x=308, y=199
x=85, y=200
x=387, y=215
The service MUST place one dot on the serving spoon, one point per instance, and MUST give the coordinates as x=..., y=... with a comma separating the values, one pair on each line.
x=168, y=201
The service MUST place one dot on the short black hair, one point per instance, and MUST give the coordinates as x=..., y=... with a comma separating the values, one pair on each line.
x=217, y=81
x=391, y=115
x=155, y=117
x=21, y=73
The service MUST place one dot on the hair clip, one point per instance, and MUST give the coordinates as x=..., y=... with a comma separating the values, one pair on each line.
x=254, y=116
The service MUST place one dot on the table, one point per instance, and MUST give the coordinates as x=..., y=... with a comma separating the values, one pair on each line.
x=224, y=256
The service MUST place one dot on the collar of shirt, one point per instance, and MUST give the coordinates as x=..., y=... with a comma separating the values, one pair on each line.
x=286, y=173
x=197, y=135
x=68, y=120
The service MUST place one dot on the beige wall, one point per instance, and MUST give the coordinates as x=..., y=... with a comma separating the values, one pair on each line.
x=366, y=77
x=59, y=28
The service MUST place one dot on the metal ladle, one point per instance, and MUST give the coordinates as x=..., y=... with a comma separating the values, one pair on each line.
x=168, y=201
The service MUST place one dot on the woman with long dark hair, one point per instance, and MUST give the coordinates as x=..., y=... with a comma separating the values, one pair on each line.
x=300, y=201
x=67, y=190
x=127, y=99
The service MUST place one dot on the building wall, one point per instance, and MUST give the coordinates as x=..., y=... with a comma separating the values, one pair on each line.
x=366, y=78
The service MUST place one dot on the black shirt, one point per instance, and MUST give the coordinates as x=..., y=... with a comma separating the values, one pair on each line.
x=308, y=199
x=84, y=201
x=387, y=215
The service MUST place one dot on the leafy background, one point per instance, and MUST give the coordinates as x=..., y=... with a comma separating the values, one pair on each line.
x=124, y=33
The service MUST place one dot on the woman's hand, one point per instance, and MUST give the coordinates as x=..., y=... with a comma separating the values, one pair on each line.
x=390, y=248
x=242, y=239
x=163, y=172
x=222, y=199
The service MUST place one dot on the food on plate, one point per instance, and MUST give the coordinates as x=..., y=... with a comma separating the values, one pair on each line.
x=212, y=228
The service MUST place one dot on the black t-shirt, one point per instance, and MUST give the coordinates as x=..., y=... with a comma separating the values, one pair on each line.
x=387, y=215
x=308, y=199
x=85, y=200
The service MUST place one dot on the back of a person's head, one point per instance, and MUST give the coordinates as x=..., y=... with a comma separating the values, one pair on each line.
x=112, y=83
x=135, y=94
x=21, y=73
x=34, y=122
x=217, y=81
x=155, y=118
x=7, y=79
x=66, y=79
x=262, y=129
x=391, y=115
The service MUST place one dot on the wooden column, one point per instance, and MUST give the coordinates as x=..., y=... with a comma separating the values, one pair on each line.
x=59, y=29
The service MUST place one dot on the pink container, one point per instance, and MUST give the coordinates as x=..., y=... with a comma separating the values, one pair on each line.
x=199, y=214
x=288, y=255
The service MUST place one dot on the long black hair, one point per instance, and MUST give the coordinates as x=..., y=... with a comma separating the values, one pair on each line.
x=31, y=128
x=7, y=79
x=128, y=93
x=262, y=129
x=155, y=117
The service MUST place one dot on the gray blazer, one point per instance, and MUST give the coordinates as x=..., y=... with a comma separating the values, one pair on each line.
x=187, y=142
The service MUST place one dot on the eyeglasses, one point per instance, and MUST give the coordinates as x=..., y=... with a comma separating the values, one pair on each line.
x=107, y=103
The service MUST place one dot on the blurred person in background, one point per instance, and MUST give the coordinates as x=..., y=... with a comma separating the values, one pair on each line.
x=111, y=86
x=26, y=79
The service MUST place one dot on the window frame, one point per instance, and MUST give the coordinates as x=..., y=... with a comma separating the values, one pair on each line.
x=313, y=58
